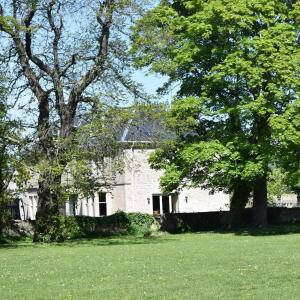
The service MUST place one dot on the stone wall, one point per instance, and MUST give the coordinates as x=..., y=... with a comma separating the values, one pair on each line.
x=219, y=220
x=19, y=228
x=141, y=183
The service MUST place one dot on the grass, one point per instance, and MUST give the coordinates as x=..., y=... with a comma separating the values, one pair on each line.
x=243, y=265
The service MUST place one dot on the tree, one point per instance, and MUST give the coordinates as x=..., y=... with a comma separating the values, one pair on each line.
x=277, y=185
x=286, y=133
x=237, y=64
x=3, y=163
x=62, y=53
x=12, y=169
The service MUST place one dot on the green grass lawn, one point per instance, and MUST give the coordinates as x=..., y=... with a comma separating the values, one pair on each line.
x=187, y=266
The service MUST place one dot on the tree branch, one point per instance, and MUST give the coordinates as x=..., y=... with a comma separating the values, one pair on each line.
x=36, y=60
x=57, y=30
x=101, y=57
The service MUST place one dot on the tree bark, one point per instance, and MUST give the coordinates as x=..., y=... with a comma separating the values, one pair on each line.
x=238, y=201
x=260, y=201
x=48, y=207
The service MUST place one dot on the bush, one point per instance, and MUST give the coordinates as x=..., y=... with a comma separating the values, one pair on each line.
x=118, y=223
x=60, y=228
x=140, y=223
x=56, y=229
x=4, y=217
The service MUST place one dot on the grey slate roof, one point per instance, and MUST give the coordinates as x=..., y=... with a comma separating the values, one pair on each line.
x=146, y=130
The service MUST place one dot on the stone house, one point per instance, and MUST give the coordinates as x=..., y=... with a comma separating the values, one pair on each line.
x=137, y=188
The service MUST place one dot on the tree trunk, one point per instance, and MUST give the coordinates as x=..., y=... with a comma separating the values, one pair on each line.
x=260, y=200
x=48, y=183
x=48, y=208
x=298, y=199
x=49, y=191
x=238, y=201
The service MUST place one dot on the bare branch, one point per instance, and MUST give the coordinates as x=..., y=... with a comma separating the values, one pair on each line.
x=35, y=59
x=100, y=60
x=71, y=63
x=57, y=30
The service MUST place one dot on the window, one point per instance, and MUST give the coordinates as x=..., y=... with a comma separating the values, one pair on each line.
x=102, y=204
x=13, y=208
x=72, y=205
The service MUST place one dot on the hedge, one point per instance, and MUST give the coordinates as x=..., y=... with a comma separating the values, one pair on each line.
x=120, y=223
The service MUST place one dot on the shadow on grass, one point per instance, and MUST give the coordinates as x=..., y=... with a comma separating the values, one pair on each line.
x=91, y=241
x=137, y=240
x=265, y=231
x=270, y=230
x=117, y=240
x=251, y=231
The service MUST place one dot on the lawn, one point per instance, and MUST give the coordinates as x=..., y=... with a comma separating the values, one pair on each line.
x=188, y=266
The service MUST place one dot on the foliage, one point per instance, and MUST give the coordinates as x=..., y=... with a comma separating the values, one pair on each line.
x=12, y=169
x=86, y=64
x=3, y=161
x=286, y=131
x=121, y=223
x=57, y=229
x=139, y=223
x=237, y=65
x=118, y=223
x=277, y=185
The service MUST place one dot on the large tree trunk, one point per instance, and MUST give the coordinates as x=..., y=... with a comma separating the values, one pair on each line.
x=298, y=199
x=260, y=201
x=238, y=201
x=49, y=190
x=48, y=209
x=48, y=182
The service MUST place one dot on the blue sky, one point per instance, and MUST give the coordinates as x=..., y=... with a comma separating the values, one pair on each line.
x=152, y=82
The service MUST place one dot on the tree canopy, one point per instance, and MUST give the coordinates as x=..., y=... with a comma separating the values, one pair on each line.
x=237, y=66
x=12, y=167
x=64, y=58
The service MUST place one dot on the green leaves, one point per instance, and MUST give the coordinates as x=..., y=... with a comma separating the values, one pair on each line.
x=12, y=167
x=237, y=63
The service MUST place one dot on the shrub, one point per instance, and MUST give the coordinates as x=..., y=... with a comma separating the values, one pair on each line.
x=57, y=229
x=118, y=223
x=4, y=217
x=61, y=228
x=140, y=223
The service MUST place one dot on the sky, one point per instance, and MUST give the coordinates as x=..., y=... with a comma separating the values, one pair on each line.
x=152, y=82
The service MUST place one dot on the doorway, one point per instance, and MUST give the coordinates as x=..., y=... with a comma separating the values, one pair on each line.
x=166, y=204
x=156, y=205
x=161, y=204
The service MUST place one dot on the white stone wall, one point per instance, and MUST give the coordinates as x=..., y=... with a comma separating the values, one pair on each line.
x=118, y=195
x=199, y=200
x=142, y=183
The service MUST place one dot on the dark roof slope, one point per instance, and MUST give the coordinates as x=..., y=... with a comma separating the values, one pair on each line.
x=146, y=126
